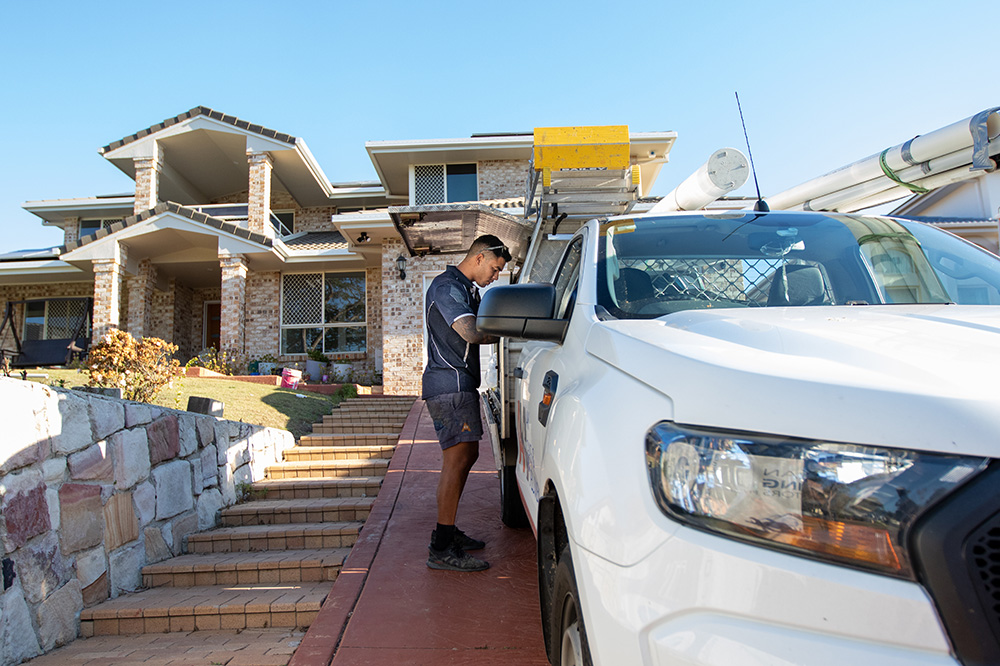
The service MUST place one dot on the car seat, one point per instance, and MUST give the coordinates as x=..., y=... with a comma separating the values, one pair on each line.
x=798, y=284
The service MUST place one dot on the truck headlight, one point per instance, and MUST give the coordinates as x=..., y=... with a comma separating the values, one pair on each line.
x=843, y=503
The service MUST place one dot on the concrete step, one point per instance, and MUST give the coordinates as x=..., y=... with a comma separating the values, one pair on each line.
x=264, y=567
x=328, y=468
x=247, y=538
x=292, y=488
x=295, y=511
x=351, y=439
x=380, y=400
x=213, y=607
x=300, y=453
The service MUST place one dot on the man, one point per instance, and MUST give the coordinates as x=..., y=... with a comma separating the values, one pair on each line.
x=449, y=386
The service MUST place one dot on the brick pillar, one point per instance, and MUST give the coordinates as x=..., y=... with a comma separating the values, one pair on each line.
x=259, y=198
x=108, y=283
x=147, y=180
x=234, y=296
x=71, y=230
x=140, y=300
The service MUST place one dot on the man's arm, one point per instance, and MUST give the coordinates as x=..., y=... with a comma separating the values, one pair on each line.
x=466, y=327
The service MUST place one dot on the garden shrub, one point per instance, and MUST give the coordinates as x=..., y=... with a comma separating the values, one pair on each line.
x=140, y=368
x=224, y=362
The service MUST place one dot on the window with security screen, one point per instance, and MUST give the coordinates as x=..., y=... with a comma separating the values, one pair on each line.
x=444, y=183
x=325, y=312
x=56, y=319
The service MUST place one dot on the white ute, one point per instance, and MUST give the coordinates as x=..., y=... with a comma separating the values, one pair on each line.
x=756, y=438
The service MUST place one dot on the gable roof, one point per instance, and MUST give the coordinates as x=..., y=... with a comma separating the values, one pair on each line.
x=200, y=111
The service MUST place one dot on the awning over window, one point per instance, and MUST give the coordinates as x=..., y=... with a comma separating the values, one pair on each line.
x=445, y=228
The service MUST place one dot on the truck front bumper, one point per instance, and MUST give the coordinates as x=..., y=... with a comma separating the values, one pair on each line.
x=703, y=600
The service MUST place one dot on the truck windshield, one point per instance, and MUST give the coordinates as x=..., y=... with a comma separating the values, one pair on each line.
x=650, y=267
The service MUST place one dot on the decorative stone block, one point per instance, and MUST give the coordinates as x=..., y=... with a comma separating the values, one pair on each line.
x=107, y=416
x=131, y=456
x=97, y=591
x=40, y=567
x=206, y=431
x=209, y=467
x=120, y=523
x=71, y=426
x=125, y=567
x=92, y=464
x=137, y=413
x=57, y=615
x=26, y=514
x=91, y=565
x=52, y=499
x=157, y=549
x=18, y=640
x=209, y=505
x=180, y=528
x=173, y=489
x=82, y=516
x=163, y=436
x=188, y=435
x=202, y=405
x=26, y=437
x=54, y=471
x=144, y=497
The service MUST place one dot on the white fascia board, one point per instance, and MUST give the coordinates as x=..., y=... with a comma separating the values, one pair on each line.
x=54, y=211
x=355, y=219
x=347, y=192
x=313, y=166
x=34, y=268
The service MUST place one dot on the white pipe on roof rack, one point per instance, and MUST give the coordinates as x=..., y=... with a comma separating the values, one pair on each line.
x=857, y=196
x=963, y=134
x=726, y=170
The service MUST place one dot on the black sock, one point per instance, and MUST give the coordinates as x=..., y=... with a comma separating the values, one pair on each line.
x=443, y=535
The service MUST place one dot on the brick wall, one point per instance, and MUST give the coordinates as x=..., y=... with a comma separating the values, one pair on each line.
x=373, y=286
x=403, y=316
x=259, y=193
x=183, y=314
x=314, y=219
x=71, y=230
x=502, y=179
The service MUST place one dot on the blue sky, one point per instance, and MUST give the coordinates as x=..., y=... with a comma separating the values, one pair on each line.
x=822, y=84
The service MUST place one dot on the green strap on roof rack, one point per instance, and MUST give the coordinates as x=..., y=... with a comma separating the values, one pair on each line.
x=891, y=175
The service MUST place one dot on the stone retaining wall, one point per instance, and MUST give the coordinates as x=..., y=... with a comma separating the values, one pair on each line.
x=93, y=488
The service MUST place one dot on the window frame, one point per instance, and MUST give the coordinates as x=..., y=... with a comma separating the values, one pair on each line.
x=103, y=223
x=444, y=175
x=85, y=332
x=322, y=326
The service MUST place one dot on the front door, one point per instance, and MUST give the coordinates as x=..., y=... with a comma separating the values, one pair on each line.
x=213, y=325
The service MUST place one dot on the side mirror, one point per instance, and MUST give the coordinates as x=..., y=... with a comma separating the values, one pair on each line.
x=521, y=311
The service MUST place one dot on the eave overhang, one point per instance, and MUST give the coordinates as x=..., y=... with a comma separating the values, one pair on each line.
x=55, y=211
x=449, y=228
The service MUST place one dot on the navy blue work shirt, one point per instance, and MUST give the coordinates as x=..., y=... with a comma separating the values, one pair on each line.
x=452, y=363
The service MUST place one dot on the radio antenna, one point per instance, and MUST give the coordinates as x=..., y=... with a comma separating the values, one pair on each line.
x=761, y=205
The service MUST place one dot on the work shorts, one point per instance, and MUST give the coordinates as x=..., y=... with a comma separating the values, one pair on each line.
x=456, y=417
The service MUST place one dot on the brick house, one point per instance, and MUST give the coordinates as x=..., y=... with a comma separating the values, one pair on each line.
x=235, y=238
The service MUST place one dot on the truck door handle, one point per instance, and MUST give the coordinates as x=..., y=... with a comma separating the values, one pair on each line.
x=549, y=384
x=518, y=373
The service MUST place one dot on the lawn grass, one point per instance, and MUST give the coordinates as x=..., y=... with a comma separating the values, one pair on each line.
x=260, y=404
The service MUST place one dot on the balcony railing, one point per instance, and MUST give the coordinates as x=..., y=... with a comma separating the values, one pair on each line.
x=239, y=214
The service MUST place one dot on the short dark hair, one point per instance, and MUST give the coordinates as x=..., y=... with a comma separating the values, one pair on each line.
x=489, y=243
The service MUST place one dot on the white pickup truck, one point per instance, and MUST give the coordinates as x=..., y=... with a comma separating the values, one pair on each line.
x=755, y=438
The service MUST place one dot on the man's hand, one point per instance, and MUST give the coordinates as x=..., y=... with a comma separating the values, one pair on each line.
x=466, y=327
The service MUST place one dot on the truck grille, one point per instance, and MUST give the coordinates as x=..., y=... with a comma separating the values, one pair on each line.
x=983, y=557
x=956, y=547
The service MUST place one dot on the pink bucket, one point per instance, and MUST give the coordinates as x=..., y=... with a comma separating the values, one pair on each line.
x=290, y=378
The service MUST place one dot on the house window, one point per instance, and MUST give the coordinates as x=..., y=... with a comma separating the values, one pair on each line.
x=323, y=311
x=56, y=319
x=89, y=227
x=444, y=183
